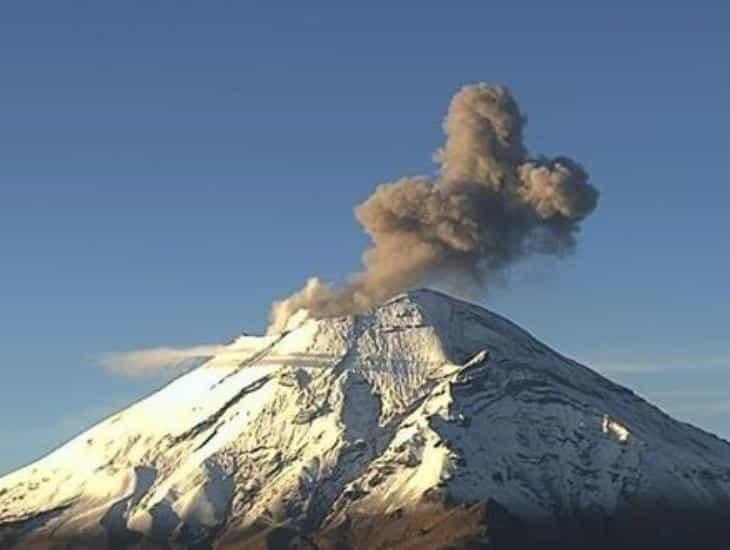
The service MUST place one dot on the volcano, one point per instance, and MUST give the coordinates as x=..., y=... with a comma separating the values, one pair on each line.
x=425, y=423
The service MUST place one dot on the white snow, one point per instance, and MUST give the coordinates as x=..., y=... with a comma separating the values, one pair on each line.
x=369, y=413
x=615, y=428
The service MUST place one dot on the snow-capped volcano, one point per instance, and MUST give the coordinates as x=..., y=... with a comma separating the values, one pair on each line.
x=425, y=423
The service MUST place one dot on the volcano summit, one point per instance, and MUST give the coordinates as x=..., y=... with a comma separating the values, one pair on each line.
x=426, y=422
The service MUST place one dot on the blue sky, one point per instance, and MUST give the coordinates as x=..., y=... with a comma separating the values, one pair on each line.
x=167, y=169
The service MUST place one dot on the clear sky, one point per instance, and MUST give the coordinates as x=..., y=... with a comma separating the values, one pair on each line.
x=169, y=168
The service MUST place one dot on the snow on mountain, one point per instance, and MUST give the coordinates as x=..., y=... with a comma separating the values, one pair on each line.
x=426, y=404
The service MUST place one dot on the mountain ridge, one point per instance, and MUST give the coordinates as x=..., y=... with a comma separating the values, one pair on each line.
x=425, y=411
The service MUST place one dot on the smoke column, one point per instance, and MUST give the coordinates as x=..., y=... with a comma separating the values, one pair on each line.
x=491, y=205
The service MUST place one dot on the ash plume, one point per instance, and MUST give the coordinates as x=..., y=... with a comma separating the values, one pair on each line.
x=490, y=205
x=162, y=360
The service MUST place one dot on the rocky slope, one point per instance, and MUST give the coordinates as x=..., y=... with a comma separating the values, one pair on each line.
x=427, y=423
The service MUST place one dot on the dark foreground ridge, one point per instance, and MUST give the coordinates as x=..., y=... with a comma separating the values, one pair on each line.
x=484, y=525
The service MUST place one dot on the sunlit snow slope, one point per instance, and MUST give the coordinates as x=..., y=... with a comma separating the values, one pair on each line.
x=427, y=403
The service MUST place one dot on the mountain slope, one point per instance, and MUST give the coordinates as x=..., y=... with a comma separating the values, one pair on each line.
x=428, y=422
